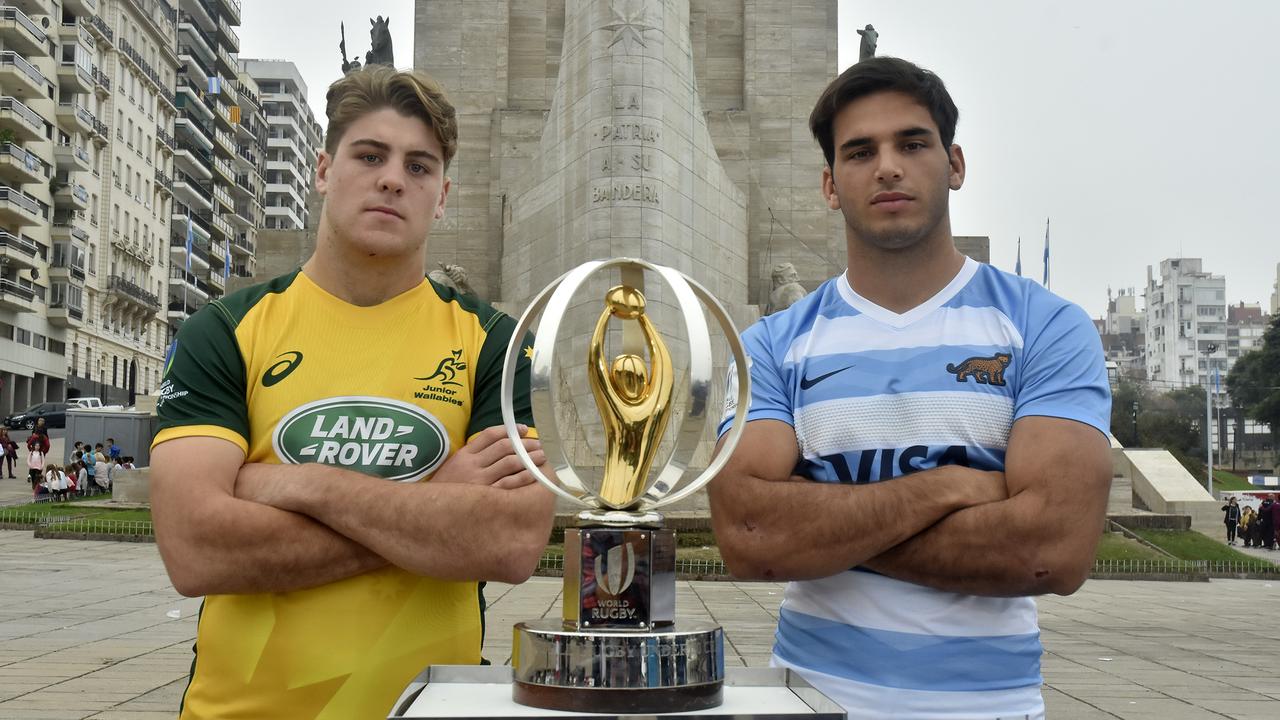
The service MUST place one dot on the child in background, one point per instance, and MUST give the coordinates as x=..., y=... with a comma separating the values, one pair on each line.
x=35, y=464
x=51, y=483
x=82, y=478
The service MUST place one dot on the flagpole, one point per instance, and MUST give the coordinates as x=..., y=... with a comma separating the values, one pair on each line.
x=1017, y=268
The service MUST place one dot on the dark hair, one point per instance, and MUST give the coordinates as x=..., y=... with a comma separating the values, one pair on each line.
x=882, y=74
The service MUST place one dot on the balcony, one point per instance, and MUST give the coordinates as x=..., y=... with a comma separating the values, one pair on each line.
x=66, y=228
x=62, y=312
x=223, y=139
x=194, y=163
x=76, y=31
x=230, y=9
x=21, y=78
x=132, y=294
x=239, y=217
x=200, y=259
x=242, y=244
x=196, y=40
x=166, y=140
x=19, y=167
x=72, y=195
x=224, y=170
x=228, y=36
x=19, y=32
x=187, y=284
x=223, y=197
x=101, y=83
x=100, y=132
x=16, y=296
x=75, y=117
x=71, y=157
x=18, y=209
x=188, y=190
x=191, y=131
x=81, y=7
x=136, y=58
x=75, y=77
x=18, y=250
x=67, y=263
x=25, y=123
x=100, y=29
x=197, y=70
x=227, y=65
x=164, y=183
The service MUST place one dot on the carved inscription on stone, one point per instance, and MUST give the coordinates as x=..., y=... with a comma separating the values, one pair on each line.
x=624, y=160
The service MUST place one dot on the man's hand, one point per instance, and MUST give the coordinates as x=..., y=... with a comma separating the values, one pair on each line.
x=490, y=459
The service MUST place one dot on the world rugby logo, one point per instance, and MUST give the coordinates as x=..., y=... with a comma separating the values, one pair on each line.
x=371, y=435
x=621, y=571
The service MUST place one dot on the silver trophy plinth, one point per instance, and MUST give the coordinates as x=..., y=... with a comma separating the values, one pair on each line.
x=619, y=646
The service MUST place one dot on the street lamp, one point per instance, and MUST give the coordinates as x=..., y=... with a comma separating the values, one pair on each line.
x=1208, y=412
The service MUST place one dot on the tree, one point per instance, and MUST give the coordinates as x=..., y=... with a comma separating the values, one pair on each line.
x=1254, y=382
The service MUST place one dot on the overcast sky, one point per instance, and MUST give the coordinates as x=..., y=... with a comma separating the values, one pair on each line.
x=1145, y=129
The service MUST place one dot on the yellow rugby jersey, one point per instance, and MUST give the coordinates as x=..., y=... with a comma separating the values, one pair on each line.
x=292, y=374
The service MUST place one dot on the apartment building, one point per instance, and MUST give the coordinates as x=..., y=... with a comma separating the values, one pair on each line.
x=50, y=137
x=205, y=222
x=117, y=351
x=1186, y=318
x=293, y=139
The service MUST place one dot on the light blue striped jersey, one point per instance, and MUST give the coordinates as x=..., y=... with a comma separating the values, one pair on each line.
x=874, y=395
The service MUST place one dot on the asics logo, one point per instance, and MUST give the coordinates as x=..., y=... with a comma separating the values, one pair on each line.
x=281, y=368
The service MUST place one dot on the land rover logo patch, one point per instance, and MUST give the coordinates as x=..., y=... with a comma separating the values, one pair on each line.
x=371, y=435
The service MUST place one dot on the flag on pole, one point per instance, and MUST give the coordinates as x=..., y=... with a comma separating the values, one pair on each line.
x=1018, y=267
x=190, y=236
x=226, y=263
x=1046, y=252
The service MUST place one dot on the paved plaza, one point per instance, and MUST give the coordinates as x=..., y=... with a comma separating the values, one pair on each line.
x=93, y=630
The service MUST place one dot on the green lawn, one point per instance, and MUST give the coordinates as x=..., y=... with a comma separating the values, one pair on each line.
x=1115, y=546
x=1224, y=480
x=1191, y=545
x=75, y=509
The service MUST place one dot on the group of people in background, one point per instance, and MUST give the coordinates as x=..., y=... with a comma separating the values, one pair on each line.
x=89, y=470
x=1256, y=528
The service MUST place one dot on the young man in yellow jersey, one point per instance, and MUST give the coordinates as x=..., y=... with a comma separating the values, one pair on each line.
x=300, y=421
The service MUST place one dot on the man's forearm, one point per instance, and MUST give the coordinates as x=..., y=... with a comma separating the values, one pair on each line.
x=248, y=547
x=802, y=530
x=1011, y=548
x=445, y=530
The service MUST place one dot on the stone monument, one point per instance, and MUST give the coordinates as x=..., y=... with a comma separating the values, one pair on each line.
x=787, y=290
x=710, y=97
x=380, y=52
x=867, y=48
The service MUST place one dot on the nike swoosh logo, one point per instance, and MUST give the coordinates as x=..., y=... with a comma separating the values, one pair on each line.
x=806, y=383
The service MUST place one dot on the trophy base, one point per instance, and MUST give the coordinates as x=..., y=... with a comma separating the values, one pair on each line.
x=676, y=669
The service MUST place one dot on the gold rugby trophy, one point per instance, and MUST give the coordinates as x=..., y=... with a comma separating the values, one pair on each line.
x=619, y=647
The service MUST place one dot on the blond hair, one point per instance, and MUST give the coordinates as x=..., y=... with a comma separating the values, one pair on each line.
x=408, y=92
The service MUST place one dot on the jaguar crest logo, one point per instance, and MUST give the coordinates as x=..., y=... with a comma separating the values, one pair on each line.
x=447, y=370
x=621, y=560
x=983, y=370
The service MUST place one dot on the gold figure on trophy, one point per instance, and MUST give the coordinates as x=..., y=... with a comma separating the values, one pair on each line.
x=634, y=400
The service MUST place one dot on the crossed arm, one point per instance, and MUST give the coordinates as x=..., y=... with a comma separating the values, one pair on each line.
x=1030, y=530
x=239, y=528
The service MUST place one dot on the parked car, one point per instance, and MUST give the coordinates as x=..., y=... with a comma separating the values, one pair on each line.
x=89, y=403
x=54, y=414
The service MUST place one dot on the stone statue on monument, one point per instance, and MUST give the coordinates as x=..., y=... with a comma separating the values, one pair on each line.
x=867, y=49
x=787, y=290
x=452, y=276
x=380, y=52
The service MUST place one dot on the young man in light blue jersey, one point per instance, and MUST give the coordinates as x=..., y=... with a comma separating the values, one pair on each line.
x=926, y=446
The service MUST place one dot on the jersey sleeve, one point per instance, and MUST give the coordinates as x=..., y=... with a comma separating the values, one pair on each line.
x=1064, y=371
x=770, y=398
x=486, y=406
x=204, y=387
